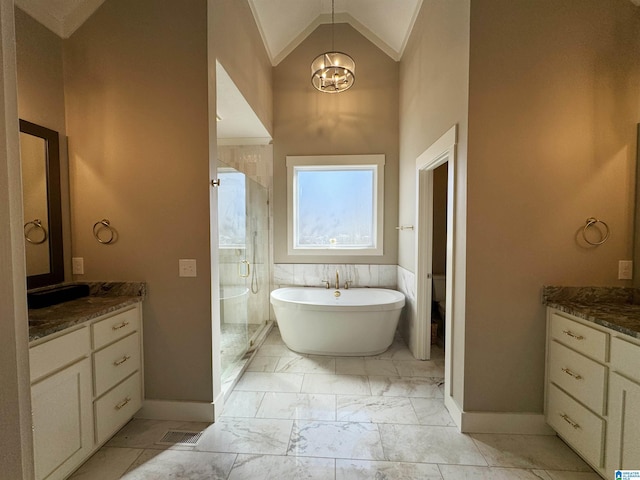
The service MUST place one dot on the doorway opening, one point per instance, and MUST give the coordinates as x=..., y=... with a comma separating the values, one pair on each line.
x=435, y=256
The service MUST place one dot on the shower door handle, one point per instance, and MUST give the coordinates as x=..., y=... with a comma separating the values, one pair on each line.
x=247, y=269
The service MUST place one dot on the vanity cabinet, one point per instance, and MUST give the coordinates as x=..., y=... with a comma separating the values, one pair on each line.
x=623, y=443
x=85, y=385
x=61, y=404
x=592, y=391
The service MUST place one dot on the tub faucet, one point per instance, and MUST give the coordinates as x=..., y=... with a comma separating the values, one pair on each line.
x=337, y=281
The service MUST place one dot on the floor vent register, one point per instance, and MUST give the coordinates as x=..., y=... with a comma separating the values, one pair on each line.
x=180, y=437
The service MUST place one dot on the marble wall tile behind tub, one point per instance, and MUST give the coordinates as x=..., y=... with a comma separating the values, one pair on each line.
x=313, y=274
x=282, y=274
x=407, y=285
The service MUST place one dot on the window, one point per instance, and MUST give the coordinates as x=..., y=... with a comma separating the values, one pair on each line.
x=335, y=204
x=231, y=208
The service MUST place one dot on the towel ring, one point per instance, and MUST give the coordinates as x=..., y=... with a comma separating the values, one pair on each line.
x=35, y=225
x=100, y=226
x=591, y=221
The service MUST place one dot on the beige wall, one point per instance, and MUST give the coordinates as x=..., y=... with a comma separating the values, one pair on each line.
x=434, y=77
x=15, y=398
x=363, y=120
x=41, y=100
x=239, y=48
x=137, y=117
x=554, y=100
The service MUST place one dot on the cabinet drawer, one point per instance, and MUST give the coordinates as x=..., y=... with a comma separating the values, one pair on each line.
x=625, y=358
x=115, y=363
x=578, y=375
x=115, y=327
x=57, y=353
x=583, y=430
x=116, y=408
x=582, y=338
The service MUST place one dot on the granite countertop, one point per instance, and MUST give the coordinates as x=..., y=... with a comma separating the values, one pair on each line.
x=104, y=297
x=616, y=308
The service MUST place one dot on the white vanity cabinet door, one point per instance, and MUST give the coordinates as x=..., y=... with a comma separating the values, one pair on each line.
x=623, y=440
x=62, y=420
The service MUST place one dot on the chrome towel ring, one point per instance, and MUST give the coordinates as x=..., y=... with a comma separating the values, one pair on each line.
x=102, y=226
x=591, y=222
x=34, y=225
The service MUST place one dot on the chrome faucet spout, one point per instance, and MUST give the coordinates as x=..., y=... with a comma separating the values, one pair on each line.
x=337, y=280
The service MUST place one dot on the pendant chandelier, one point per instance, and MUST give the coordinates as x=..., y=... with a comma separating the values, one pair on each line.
x=333, y=72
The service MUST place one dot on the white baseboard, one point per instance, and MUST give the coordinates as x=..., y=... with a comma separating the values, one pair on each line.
x=485, y=422
x=179, y=411
x=513, y=423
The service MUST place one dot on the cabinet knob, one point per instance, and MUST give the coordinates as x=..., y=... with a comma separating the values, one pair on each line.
x=123, y=403
x=121, y=325
x=215, y=183
x=122, y=360
x=573, y=335
x=572, y=374
x=566, y=418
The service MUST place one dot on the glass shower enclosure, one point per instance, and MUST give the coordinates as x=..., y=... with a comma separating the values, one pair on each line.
x=243, y=223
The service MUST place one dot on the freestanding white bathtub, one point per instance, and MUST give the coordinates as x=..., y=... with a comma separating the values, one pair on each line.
x=358, y=322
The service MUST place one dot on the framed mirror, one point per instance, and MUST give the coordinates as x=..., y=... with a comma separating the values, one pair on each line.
x=40, y=159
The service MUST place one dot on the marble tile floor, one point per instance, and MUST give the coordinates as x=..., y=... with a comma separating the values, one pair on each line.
x=296, y=417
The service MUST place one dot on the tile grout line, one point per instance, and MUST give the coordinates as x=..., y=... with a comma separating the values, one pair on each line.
x=235, y=460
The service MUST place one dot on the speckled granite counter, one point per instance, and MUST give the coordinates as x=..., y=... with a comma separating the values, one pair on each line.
x=617, y=308
x=104, y=297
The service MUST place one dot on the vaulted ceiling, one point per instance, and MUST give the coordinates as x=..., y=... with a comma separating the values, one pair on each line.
x=284, y=24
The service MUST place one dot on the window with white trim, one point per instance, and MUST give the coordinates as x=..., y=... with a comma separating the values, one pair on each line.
x=335, y=204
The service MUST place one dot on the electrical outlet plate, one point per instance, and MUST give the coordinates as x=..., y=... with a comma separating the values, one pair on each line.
x=77, y=265
x=625, y=270
x=187, y=267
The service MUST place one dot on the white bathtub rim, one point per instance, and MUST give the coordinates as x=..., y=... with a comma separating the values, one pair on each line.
x=231, y=292
x=394, y=304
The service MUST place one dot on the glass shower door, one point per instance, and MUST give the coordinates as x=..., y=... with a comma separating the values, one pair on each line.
x=243, y=223
x=234, y=269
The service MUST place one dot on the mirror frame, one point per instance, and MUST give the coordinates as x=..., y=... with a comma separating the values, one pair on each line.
x=54, y=206
x=636, y=218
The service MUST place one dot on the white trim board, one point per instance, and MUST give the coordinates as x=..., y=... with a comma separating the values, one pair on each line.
x=509, y=423
x=178, y=411
x=493, y=422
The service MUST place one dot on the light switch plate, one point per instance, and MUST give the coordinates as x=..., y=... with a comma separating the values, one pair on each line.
x=187, y=267
x=625, y=270
x=77, y=265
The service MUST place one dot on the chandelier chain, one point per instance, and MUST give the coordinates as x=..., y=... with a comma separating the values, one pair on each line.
x=333, y=23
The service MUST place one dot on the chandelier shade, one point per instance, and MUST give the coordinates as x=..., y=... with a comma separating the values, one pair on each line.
x=333, y=72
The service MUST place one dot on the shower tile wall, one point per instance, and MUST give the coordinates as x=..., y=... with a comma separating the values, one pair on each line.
x=303, y=274
x=255, y=161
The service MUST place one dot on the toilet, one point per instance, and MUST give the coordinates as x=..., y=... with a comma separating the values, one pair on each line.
x=439, y=293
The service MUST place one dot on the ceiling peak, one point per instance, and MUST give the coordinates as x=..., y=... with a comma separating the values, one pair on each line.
x=284, y=24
